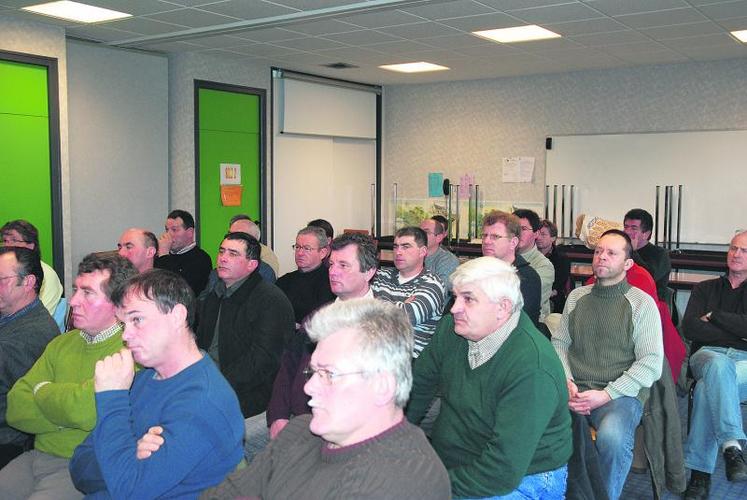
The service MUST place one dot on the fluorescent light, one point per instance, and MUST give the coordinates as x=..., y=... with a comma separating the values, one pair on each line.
x=74, y=11
x=741, y=35
x=414, y=67
x=517, y=34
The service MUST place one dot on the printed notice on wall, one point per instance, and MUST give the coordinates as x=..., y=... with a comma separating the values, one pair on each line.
x=435, y=184
x=518, y=169
x=230, y=174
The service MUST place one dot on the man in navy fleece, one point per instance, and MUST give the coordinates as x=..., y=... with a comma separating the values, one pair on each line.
x=180, y=395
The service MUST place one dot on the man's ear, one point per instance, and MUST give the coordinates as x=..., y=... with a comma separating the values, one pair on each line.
x=384, y=387
x=324, y=251
x=628, y=264
x=179, y=314
x=150, y=252
x=29, y=280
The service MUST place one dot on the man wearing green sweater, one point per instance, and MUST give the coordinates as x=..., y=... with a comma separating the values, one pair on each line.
x=610, y=343
x=504, y=425
x=55, y=399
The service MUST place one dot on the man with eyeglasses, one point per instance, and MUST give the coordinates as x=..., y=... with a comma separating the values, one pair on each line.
x=527, y=249
x=410, y=286
x=243, y=322
x=356, y=443
x=500, y=238
x=307, y=288
x=25, y=329
x=716, y=323
x=439, y=261
x=21, y=233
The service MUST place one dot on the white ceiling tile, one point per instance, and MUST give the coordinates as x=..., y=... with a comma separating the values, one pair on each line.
x=381, y=19
x=521, y=4
x=218, y=42
x=309, y=44
x=457, y=41
x=725, y=10
x=661, y=18
x=721, y=39
x=655, y=57
x=363, y=37
x=485, y=22
x=738, y=23
x=192, y=18
x=611, y=38
x=622, y=50
x=399, y=47
x=247, y=9
x=98, y=33
x=448, y=10
x=323, y=27
x=268, y=35
x=542, y=46
x=134, y=7
x=144, y=26
x=711, y=53
x=586, y=26
x=421, y=30
x=683, y=30
x=620, y=7
x=491, y=50
x=556, y=13
x=313, y=4
x=170, y=47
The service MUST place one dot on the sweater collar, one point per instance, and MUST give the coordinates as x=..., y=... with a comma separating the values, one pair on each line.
x=4, y=320
x=611, y=290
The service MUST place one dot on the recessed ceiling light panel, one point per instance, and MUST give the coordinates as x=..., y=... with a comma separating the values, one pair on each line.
x=414, y=67
x=741, y=35
x=75, y=11
x=517, y=34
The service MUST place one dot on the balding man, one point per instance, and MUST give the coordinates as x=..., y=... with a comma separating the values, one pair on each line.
x=25, y=329
x=242, y=223
x=139, y=246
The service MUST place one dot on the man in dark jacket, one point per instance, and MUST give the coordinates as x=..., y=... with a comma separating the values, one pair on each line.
x=243, y=323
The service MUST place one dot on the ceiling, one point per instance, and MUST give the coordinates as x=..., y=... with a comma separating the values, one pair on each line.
x=305, y=35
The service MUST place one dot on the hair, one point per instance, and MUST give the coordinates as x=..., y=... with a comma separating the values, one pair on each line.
x=647, y=222
x=529, y=215
x=512, y=223
x=628, y=243
x=321, y=236
x=365, y=249
x=27, y=263
x=494, y=277
x=441, y=223
x=421, y=239
x=27, y=230
x=252, y=248
x=187, y=220
x=253, y=226
x=328, y=229
x=120, y=270
x=150, y=240
x=165, y=288
x=384, y=335
x=551, y=227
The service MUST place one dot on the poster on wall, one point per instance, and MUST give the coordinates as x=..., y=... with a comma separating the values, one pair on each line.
x=518, y=169
x=230, y=174
x=435, y=184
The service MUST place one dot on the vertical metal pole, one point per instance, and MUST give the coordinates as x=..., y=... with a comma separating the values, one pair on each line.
x=457, y=213
x=562, y=209
x=572, y=222
x=373, y=210
x=671, y=205
x=555, y=204
x=656, y=216
x=448, y=216
x=666, y=213
x=394, y=193
x=547, y=201
x=477, y=209
x=679, y=213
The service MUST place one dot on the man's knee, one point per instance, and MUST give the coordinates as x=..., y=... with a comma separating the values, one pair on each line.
x=707, y=364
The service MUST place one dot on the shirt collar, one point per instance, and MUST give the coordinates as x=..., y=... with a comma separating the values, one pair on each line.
x=479, y=352
x=4, y=320
x=185, y=249
x=103, y=334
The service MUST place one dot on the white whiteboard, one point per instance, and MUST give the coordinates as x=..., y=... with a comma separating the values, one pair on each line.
x=614, y=173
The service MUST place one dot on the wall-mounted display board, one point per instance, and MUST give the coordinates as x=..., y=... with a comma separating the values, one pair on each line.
x=29, y=149
x=229, y=131
x=614, y=173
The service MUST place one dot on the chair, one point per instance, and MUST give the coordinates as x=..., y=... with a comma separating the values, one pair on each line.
x=60, y=315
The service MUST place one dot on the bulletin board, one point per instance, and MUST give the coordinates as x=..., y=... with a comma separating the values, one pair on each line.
x=229, y=131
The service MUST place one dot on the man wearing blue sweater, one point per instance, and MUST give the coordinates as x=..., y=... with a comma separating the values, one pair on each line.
x=180, y=398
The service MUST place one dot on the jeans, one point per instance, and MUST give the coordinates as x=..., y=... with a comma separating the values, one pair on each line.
x=721, y=373
x=615, y=423
x=548, y=485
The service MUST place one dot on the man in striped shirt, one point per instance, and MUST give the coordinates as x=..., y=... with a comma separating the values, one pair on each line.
x=411, y=287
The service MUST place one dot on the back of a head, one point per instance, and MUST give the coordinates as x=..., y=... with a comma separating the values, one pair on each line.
x=384, y=335
x=246, y=225
x=119, y=268
x=325, y=225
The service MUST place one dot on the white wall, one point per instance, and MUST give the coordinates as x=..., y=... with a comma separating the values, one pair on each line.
x=459, y=127
x=118, y=102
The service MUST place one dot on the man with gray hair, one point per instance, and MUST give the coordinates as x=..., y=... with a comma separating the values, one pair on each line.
x=307, y=288
x=356, y=443
x=504, y=425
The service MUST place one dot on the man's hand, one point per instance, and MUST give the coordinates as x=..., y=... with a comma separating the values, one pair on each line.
x=114, y=372
x=572, y=388
x=586, y=401
x=164, y=244
x=149, y=443
x=277, y=426
x=706, y=317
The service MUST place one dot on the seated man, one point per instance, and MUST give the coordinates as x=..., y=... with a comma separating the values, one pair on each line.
x=55, y=399
x=500, y=238
x=610, y=343
x=180, y=396
x=504, y=425
x=307, y=288
x=21, y=233
x=242, y=223
x=439, y=261
x=530, y=225
x=178, y=252
x=638, y=224
x=546, y=237
x=25, y=330
x=356, y=443
x=412, y=287
x=716, y=323
x=243, y=323
x=139, y=246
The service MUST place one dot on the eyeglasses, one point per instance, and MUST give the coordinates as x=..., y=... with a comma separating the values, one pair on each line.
x=494, y=237
x=326, y=376
x=9, y=242
x=304, y=248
